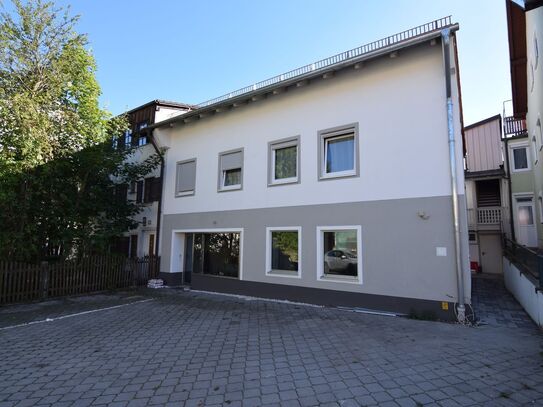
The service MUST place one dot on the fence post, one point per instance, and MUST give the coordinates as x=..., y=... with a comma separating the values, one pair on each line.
x=44, y=274
x=540, y=269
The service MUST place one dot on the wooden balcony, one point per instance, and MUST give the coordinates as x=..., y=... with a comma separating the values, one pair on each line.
x=514, y=127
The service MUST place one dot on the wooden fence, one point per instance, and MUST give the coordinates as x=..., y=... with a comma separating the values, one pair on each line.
x=20, y=282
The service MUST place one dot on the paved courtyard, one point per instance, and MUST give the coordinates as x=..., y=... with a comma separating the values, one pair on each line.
x=169, y=347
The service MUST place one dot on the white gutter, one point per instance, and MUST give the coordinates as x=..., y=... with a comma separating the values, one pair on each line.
x=461, y=307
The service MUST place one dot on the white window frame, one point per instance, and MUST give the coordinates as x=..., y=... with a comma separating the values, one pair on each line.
x=273, y=146
x=128, y=138
x=193, y=190
x=346, y=131
x=177, y=248
x=222, y=173
x=283, y=273
x=320, y=255
x=513, y=147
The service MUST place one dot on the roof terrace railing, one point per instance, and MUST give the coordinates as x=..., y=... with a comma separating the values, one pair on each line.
x=344, y=56
x=513, y=126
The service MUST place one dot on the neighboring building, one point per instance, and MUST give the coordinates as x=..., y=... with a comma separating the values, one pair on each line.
x=142, y=240
x=523, y=129
x=328, y=184
x=487, y=194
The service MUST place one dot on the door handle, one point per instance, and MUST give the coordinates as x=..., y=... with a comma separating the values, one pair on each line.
x=483, y=253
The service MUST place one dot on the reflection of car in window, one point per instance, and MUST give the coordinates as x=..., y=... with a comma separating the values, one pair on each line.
x=340, y=262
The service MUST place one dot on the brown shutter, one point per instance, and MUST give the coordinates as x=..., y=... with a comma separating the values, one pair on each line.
x=147, y=190
x=156, y=189
x=139, y=192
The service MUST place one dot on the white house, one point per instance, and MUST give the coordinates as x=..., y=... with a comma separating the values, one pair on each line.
x=329, y=184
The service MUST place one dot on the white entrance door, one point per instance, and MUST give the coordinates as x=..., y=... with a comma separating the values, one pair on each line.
x=526, y=233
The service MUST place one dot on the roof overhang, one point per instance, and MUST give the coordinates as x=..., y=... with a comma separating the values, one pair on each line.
x=484, y=121
x=302, y=79
x=516, y=28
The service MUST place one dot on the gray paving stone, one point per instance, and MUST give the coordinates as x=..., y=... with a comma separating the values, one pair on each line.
x=210, y=350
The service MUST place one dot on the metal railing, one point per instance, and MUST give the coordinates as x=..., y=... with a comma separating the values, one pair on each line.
x=344, y=56
x=527, y=260
x=492, y=215
x=513, y=126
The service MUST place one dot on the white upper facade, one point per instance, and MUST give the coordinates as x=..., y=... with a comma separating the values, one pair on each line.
x=397, y=105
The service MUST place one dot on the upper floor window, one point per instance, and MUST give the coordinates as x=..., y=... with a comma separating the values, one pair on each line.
x=283, y=161
x=520, y=159
x=128, y=138
x=231, y=170
x=338, y=152
x=185, y=182
x=142, y=139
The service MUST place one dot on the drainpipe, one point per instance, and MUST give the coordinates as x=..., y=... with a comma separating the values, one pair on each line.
x=159, y=210
x=461, y=308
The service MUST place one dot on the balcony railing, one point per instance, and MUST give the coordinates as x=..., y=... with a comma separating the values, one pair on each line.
x=513, y=126
x=344, y=56
x=492, y=215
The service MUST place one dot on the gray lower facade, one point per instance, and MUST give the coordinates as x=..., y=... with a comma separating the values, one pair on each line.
x=407, y=254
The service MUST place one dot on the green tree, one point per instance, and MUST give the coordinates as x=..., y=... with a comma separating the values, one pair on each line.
x=58, y=170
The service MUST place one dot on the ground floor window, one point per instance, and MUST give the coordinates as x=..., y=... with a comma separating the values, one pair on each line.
x=214, y=254
x=283, y=247
x=338, y=251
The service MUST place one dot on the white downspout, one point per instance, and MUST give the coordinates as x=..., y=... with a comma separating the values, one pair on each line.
x=461, y=308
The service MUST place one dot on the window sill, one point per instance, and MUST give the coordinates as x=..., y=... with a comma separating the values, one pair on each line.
x=340, y=279
x=288, y=181
x=283, y=273
x=186, y=193
x=325, y=177
x=228, y=189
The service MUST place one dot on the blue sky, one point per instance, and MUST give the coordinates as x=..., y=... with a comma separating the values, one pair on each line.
x=191, y=51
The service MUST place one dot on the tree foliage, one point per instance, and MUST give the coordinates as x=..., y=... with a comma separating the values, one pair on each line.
x=58, y=170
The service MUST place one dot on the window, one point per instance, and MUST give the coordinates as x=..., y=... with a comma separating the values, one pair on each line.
x=216, y=254
x=128, y=138
x=132, y=188
x=283, y=161
x=283, y=251
x=230, y=170
x=185, y=182
x=525, y=213
x=142, y=138
x=338, y=152
x=473, y=237
x=520, y=159
x=148, y=190
x=338, y=254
